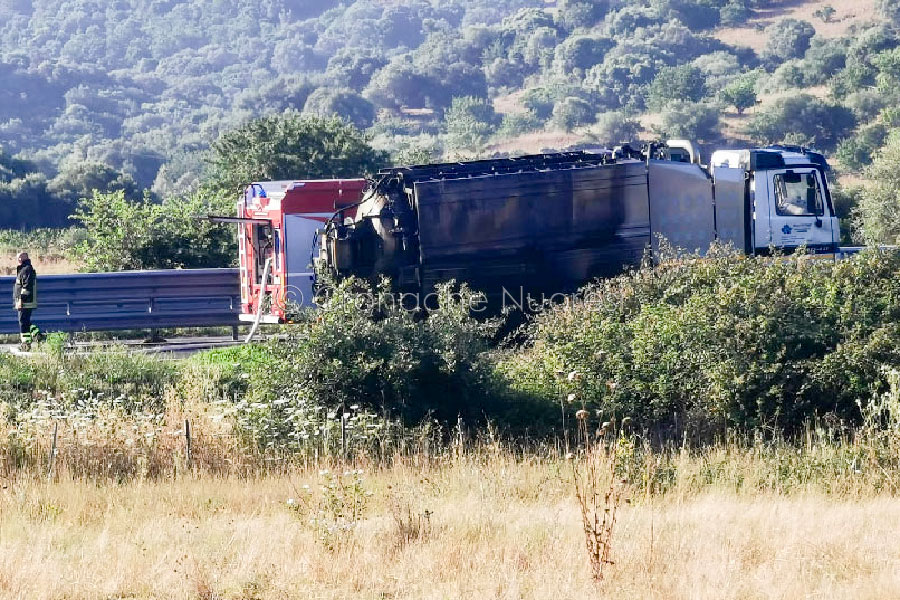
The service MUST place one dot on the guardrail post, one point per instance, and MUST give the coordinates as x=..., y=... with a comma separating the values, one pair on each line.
x=234, y=333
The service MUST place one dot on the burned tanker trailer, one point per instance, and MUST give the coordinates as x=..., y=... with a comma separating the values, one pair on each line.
x=546, y=224
x=532, y=225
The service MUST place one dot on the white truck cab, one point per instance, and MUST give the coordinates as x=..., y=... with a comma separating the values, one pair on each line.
x=788, y=198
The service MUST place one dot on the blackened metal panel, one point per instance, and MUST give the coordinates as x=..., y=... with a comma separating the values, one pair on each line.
x=681, y=206
x=556, y=228
x=732, y=212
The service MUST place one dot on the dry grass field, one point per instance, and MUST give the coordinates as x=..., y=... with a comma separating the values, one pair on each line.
x=45, y=264
x=481, y=524
x=847, y=12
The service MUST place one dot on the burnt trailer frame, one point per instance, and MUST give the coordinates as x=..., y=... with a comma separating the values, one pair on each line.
x=547, y=224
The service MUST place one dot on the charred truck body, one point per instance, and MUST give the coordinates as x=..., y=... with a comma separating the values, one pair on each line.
x=549, y=223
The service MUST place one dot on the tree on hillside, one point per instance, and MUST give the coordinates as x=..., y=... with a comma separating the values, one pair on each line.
x=890, y=9
x=857, y=151
x=25, y=200
x=291, y=146
x=734, y=13
x=13, y=168
x=879, y=202
x=788, y=38
x=613, y=128
x=684, y=82
x=354, y=67
x=341, y=102
x=581, y=52
x=141, y=234
x=572, y=112
x=803, y=119
x=740, y=93
x=826, y=13
x=572, y=14
x=689, y=120
x=469, y=121
x=77, y=180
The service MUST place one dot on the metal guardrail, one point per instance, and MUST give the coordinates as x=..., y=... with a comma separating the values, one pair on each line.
x=129, y=300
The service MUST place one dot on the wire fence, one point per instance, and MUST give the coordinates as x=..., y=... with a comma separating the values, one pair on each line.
x=134, y=450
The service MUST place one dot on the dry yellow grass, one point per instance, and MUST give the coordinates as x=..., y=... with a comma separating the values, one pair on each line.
x=848, y=12
x=45, y=264
x=498, y=528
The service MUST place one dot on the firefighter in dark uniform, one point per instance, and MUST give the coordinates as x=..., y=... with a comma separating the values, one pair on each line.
x=25, y=298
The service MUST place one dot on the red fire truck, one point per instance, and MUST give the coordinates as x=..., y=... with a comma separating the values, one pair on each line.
x=277, y=226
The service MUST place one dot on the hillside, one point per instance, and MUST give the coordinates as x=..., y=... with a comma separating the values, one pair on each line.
x=129, y=95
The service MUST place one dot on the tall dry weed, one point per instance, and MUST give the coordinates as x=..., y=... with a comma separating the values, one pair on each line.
x=598, y=491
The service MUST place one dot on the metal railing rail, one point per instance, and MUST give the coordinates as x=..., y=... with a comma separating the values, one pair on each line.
x=130, y=300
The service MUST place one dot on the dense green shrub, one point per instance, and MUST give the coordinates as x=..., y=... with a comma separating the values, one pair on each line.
x=127, y=234
x=85, y=381
x=689, y=120
x=857, y=151
x=290, y=146
x=805, y=119
x=788, y=38
x=365, y=354
x=879, y=202
x=740, y=93
x=518, y=123
x=686, y=83
x=752, y=343
x=571, y=112
x=613, y=128
x=469, y=121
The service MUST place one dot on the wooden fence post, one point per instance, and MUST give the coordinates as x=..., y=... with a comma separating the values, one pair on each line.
x=187, y=444
x=52, y=452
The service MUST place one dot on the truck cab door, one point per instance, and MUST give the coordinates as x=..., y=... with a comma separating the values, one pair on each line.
x=798, y=211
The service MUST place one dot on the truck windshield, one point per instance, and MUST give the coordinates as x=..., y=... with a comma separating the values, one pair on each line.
x=798, y=195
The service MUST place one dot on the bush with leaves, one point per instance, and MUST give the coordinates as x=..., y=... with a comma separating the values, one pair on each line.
x=787, y=39
x=804, y=119
x=469, y=122
x=726, y=341
x=514, y=124
x=693, y=121
x=857, y=151
x=718, y=68
x=824, y=58
x=685, y=83
x=540, y=101
x=740, y=93
x=879, y=202
x=572, y=112
x=143, y=234
x=575, y=14
x=613, y=128
x=363, y=350
x=342, y=103
x=890, y=9
x=736, y=12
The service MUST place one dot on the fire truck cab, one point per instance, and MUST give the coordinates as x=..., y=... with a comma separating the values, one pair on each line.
x=277, y=227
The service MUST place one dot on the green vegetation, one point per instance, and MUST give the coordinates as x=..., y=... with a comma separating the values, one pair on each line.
x=290, y=146
x=133, y=97
x=725, y=342
x=126, y=234
x=79, y=385
x=695, y=349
